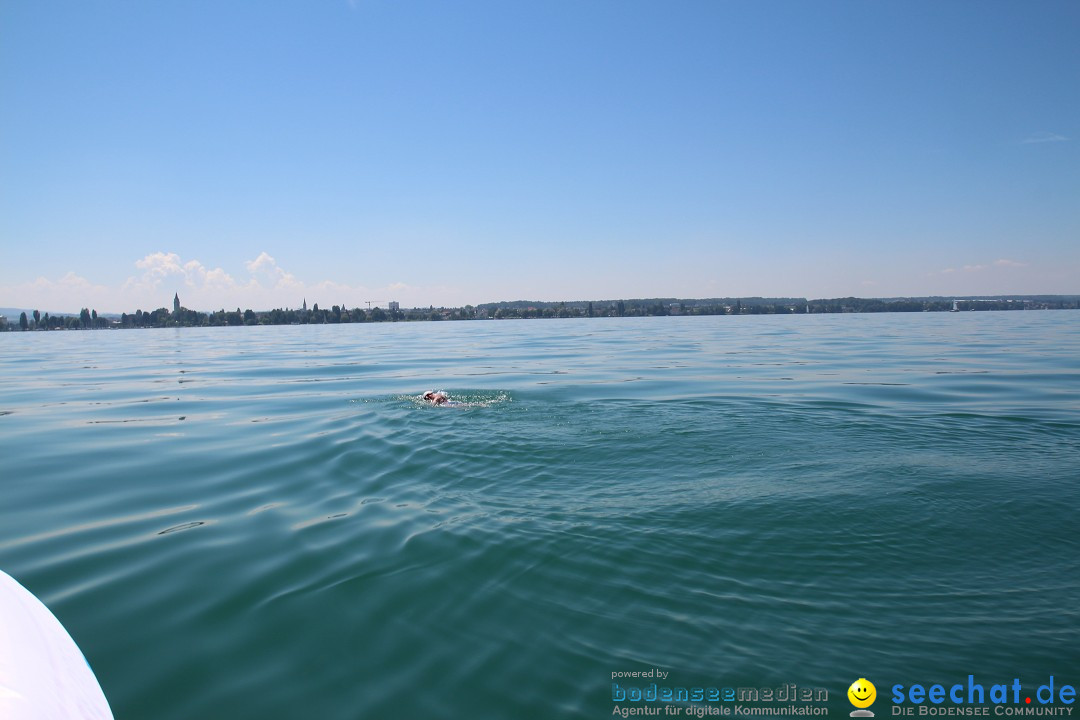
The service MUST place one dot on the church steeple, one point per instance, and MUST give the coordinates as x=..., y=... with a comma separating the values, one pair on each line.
x=305, y=304
x=176, y=303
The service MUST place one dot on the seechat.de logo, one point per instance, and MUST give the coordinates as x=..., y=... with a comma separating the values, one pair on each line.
x=862, y=694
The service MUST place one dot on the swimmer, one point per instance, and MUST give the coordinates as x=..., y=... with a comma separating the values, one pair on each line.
x=436, y=397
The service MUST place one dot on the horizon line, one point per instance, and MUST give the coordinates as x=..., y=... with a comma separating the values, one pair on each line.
x=670, y=299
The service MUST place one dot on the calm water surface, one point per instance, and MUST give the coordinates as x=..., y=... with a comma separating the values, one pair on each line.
x=267, y=523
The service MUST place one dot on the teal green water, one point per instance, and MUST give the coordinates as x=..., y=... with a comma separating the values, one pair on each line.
x=267, y=523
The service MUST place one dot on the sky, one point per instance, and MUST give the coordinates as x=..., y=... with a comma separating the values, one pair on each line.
x=257, y=154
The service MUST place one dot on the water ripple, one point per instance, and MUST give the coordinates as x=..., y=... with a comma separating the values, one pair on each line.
x=294, y=531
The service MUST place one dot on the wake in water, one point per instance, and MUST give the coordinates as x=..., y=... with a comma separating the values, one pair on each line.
x=462, y=399
x=465, y=399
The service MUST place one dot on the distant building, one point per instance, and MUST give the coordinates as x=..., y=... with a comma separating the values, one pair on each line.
x=176, y=303
x=394, y=307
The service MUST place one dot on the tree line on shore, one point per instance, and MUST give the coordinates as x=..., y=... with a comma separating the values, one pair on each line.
x=521, y=309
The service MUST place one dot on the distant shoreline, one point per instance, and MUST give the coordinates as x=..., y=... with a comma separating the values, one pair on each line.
x=525, y=309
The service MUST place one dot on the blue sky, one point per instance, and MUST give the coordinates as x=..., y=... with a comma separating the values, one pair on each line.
x=253, y=154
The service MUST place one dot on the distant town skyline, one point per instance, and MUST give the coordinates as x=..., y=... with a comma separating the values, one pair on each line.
x=350, y=152
x=180, y=316
x=164, y=276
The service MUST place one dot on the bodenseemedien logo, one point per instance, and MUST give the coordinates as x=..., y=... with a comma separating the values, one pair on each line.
x=862, y=694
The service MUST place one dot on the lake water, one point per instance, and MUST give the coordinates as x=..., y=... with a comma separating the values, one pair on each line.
x=267, y=522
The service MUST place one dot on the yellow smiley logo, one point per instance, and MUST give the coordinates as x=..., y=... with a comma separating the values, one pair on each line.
x=862, y=693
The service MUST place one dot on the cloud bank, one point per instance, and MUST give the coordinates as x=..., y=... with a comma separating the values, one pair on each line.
x=260, y=285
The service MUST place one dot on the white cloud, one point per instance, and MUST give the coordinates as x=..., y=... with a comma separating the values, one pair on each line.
x=261, y=284
x=159, y=267
x=1043, y=137
x=266, y=267
x=69, y=293
x=1004, y=275
x=216, y=278
x=263, y=262
x=73, y=281
x=979, y=267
